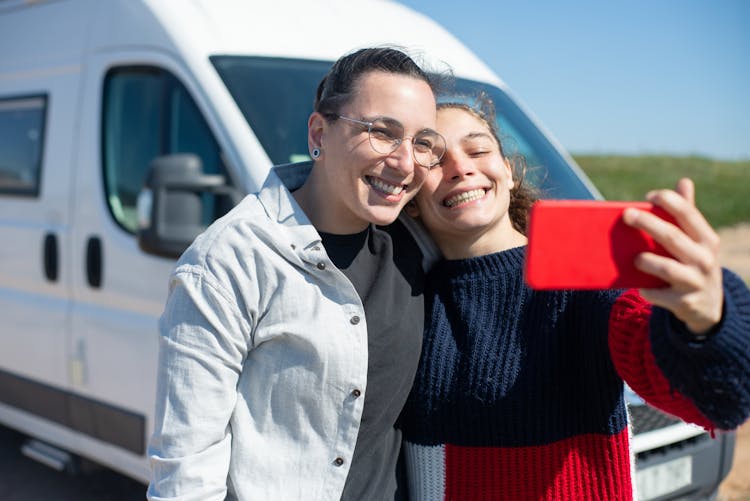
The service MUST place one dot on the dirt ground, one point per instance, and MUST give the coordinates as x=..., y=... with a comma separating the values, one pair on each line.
x=735, y=249
x=736, y=487
x=735, y=254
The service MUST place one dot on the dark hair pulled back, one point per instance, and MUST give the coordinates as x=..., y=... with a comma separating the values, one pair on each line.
x=337, y=86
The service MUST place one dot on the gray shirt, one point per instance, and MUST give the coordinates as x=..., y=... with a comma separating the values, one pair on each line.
x=384, y=264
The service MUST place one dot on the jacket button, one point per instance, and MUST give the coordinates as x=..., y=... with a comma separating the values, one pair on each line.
x=356, y=393
x=354, y=320
x=321, y=266
x=338, y=461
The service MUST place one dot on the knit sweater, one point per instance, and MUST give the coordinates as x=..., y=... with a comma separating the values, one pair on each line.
x=519, y=393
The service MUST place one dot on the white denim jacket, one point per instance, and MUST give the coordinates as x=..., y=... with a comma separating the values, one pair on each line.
x=262, y=363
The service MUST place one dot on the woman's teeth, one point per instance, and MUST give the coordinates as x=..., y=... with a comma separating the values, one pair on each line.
x=466, y=196
x=381, y=185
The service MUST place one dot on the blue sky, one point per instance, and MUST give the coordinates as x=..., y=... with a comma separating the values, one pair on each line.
x=636, y=76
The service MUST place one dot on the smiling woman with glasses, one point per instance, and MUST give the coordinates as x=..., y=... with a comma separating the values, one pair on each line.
x=293, y=327
x=386, y=135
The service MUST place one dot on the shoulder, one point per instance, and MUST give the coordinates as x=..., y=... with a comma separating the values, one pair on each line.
x=402, y=240
x=232, y=231
x=407, y=255
x=236, y=246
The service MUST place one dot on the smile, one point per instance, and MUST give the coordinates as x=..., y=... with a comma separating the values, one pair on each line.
x=384, y=187
x=466, y=196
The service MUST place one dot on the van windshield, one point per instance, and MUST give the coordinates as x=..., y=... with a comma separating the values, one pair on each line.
x=276, y=97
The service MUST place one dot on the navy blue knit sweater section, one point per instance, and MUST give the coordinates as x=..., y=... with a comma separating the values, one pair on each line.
x=528, y=368
x=715, y=373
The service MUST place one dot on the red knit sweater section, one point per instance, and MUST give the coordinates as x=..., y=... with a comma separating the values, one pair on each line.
x=630, y=349
x=568, y=469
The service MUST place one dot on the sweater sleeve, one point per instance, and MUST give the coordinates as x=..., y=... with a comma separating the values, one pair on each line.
x=704, y=382
x=715, y=373
x=630, y=349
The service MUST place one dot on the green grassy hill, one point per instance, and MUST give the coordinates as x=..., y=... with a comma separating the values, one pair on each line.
x=722, y=188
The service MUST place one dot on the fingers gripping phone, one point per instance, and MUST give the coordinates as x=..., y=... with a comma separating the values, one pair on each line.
x=577, y=244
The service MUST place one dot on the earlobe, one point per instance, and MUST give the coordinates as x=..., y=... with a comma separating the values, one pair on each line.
x=509, y=170
x=315, y=126
x=412, y=209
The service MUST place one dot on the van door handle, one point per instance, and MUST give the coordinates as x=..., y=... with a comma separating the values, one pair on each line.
x=94, y=262
x=51, y=257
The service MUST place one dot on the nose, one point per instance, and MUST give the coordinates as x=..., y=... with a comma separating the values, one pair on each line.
x=456, y=168
x=403, y=157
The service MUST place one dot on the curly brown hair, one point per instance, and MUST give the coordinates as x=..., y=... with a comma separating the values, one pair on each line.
x=523, y=194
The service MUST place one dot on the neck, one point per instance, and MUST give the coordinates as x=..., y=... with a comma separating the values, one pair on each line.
x=465, y=246
x=322, y=207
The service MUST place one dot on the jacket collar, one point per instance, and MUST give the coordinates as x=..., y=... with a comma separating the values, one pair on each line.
x=280, y=205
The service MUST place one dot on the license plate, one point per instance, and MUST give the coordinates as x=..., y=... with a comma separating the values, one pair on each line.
x=664, y=478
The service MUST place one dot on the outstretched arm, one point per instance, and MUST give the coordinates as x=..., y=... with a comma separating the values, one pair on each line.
x=691, y=355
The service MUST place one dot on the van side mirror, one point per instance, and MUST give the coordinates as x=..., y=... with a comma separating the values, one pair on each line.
x=172, y=203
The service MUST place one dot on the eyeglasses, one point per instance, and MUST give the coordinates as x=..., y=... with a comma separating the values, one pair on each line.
x=387, y=134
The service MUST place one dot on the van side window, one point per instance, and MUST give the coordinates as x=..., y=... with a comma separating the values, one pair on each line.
x=21, y=138
x=147, y=113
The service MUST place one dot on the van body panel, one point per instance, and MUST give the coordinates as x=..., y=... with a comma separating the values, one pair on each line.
x=113, y=343
x=36, y=308
x=114, y=457
x=26, y=51
x=309, y=30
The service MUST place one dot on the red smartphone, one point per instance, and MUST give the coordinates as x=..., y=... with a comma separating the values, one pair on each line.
x=584, y=244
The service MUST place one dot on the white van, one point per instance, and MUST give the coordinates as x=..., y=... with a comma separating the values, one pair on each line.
x=91, y=92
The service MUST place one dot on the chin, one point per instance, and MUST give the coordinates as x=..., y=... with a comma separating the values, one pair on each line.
x=471, y=225
x=384, y=217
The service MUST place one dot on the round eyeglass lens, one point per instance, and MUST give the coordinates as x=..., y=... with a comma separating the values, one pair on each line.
x=429, y=147
x=386, y=135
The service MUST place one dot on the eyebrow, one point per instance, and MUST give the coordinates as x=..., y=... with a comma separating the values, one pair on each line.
x=383, y=118
x=475, y=135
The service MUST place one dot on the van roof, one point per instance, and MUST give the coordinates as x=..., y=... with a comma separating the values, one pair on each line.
x=313, y=29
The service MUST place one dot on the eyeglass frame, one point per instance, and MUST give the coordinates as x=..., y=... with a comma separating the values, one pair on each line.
x=399, y=141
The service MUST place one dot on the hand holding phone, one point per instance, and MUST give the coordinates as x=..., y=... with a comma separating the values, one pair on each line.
x=584, y=244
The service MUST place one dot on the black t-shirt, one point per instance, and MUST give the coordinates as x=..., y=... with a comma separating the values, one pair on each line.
x=384, y=265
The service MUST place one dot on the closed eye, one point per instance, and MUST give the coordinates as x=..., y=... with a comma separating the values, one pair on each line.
x=478, y=153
